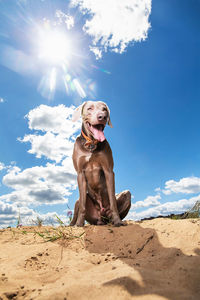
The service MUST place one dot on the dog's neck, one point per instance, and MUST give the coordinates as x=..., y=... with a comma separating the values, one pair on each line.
x=89, y=143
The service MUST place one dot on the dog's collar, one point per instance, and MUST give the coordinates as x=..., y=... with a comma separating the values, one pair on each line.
x=89, y=144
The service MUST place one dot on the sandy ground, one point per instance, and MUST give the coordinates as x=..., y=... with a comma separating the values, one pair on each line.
x=157, y=259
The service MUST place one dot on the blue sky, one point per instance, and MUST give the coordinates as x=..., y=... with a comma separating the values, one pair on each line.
x=142, y=59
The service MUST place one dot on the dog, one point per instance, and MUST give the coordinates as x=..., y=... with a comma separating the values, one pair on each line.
x=93, y=162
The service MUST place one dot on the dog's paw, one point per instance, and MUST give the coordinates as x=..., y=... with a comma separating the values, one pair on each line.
x=79, y=223
x=116, y=221
x=72, y=224
x=118, y=224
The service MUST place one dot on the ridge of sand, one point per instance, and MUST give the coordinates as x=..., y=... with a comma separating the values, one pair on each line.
x=157, y=259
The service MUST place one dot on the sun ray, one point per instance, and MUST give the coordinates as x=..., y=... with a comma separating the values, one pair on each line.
x=79, y=88
x=52, y=80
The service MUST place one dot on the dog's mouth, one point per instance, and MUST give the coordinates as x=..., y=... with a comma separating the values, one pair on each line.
x=97, y=131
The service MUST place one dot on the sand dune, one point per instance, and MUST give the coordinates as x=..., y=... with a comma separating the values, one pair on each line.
x=157, y=259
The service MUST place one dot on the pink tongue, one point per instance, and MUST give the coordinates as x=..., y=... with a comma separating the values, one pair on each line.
x=98, y=134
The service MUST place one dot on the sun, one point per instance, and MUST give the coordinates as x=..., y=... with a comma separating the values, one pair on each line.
x=57, y=53
x=54, y=47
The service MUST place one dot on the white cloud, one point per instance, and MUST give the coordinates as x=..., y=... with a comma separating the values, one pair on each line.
x=10, y=213
x=52, y=146
x=114, y=24
x=167, y=208
x=2, y=166
x=149, y=201
x=57, y=138
x=47, y=219
x=97, y=52
x=187, y=185
x=54, y=138
x=64, y=18
x=56, y=119
x=1, y=100
x=48, y=184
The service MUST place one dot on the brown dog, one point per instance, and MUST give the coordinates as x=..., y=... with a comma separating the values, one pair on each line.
x=93, y=161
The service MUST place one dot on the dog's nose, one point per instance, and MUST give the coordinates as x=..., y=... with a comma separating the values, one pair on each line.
x=101, y=117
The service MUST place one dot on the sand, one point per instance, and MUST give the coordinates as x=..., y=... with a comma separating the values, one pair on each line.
x=157, y=259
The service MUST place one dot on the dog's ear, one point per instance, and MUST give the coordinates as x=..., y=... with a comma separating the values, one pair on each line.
x=77, y=113
x=109, y=122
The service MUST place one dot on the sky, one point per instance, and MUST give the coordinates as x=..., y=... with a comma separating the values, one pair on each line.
x=142, y=59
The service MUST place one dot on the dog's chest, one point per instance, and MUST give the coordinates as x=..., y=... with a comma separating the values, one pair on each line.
x=93, y=172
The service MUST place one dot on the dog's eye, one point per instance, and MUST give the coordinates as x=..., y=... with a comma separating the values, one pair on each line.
x=89, y=108
x=104, y=109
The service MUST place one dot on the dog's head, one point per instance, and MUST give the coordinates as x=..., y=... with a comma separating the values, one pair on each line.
x=95, y=116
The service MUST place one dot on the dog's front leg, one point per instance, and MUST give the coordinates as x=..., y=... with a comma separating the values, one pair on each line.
x=82, y=200
x=110, y=182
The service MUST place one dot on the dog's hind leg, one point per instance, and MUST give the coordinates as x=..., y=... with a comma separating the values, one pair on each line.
x=75, y=216
x=123, y=203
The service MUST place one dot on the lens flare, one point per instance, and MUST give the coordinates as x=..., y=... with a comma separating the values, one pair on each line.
x=100, y=69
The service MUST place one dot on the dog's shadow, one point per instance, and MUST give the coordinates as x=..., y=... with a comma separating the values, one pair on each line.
x=166, y=272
